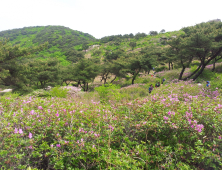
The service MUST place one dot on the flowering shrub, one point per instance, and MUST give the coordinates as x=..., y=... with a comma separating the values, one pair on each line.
x=177, y=127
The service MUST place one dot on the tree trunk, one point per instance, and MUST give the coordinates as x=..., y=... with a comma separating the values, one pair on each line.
x=134, y=76
x=193, y=73
x=113, y=80
x=214, y=64
x=148, y=72
x=181, y=73
x=169, y=65
x=87, y=86
x=102, y=78
x=199, y=72
x=105, y=77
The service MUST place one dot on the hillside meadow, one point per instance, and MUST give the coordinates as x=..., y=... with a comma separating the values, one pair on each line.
x=82, y=103
x=177, y=126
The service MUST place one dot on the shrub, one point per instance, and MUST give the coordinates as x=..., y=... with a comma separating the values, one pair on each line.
x=54, y=92
x=108, y=90
x=178, y=126
x=58, y=92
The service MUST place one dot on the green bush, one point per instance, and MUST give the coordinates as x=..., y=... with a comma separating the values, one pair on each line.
x=12, y=95
x=54, y=92
x=108, y=91
x=58, y=92
x=158, y=69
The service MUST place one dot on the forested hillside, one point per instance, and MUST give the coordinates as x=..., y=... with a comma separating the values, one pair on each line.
x=60, y=39
x=72, y=57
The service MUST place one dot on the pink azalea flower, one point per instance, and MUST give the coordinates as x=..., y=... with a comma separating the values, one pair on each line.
x=57, y=114
x=219, y=137
x=32, y=112
x=40, y=108
x=30, y=147
x=165, y=118
x=30, y=135
x=20, y=131
x=16, y=130
x=58, y=145
x=96, y=135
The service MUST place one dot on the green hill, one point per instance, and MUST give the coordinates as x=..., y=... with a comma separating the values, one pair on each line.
x=60, y=39
x=117, y=42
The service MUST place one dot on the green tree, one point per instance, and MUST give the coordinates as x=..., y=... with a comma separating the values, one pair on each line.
x=202, y=42
x=153, y=33
x=113, y=55
x=131, y=35
x=11, y=58
x=132, y=45
x=85, y=72
x=105, y=71
x=66, y=74
x=136, y=63
x=112, y=65
x=140, y=35
x=73, y=55
x=85, y=47
x=117, y=42
x=42, y=71
x=162, y=31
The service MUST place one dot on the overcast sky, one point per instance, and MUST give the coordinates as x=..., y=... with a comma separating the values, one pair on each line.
x=108, y=17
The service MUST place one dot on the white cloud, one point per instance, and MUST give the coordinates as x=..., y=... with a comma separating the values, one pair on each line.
x=108, y=17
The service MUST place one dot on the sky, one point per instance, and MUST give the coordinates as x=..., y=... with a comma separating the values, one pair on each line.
x=108, y=17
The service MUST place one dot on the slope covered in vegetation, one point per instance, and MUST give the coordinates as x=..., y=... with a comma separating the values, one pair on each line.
x=61, y=39
x=119, y=125
x=177, y=126
x=140, y=40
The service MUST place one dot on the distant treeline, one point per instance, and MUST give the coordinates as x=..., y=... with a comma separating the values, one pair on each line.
x=125, y=36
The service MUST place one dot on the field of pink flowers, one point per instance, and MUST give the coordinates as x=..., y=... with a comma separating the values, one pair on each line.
x=178, y=126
